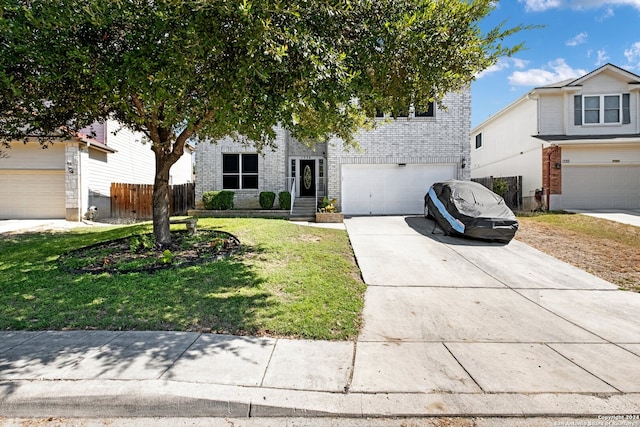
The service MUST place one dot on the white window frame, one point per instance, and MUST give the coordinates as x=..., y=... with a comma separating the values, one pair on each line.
x=601, y=110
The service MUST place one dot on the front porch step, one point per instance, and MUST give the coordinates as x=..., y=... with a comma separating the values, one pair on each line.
x=304, y=209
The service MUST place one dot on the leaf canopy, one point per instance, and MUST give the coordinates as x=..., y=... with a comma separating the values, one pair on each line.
x=179, y=69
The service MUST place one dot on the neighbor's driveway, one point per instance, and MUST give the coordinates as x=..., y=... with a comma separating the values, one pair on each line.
x=446, y=314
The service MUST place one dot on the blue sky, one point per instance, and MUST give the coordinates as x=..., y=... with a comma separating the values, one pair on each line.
x=578, y=37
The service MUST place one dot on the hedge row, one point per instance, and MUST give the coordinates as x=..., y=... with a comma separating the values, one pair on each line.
x=223, y=200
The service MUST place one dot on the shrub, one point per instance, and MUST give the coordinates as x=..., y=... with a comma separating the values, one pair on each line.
x=500, y=186
x=284, y=200
x=218, y=200
x=327, y=205
x=266, y=199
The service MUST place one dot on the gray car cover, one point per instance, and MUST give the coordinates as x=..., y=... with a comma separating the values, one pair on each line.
x=469, y=209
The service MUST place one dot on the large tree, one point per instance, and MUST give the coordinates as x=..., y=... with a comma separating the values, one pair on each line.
x=201, y=69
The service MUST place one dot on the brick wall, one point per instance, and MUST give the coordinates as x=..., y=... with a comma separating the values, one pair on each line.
x=551, y=174
x=442, y=139
x=271, y=166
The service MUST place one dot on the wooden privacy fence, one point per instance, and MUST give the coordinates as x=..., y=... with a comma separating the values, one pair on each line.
x=512, y=194
x=136, y=200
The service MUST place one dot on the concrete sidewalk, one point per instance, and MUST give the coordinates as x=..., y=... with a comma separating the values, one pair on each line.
x=452, y=327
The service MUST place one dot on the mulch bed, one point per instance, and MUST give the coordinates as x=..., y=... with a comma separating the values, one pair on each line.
x=138, y=253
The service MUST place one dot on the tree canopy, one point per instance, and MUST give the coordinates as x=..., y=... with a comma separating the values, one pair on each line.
x=201, y=69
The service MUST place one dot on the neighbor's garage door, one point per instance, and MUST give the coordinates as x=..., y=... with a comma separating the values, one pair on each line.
x=389, y=189
x=601, y=187
x=32, y=194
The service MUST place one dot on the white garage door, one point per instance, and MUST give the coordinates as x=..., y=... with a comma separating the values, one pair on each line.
x=32, y=194
x=601, y=187
x=389, y=189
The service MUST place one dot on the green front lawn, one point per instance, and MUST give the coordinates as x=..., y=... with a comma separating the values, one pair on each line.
x=288, y=280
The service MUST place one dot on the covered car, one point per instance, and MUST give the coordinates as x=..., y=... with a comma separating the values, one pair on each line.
x=469, y=209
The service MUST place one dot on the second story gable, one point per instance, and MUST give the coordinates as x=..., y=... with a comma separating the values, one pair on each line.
x=602, y=103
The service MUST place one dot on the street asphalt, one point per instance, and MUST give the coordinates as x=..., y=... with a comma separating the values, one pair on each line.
x=452, y=327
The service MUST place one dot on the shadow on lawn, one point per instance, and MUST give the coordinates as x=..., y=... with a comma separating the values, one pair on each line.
x=137, y=314
x=130, y=355
x=222, y=296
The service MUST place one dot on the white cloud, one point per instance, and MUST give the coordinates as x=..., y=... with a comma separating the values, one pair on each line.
x=503, y=64
x=592, y=4
x=555, y=71
x=602, y=57
x=542, y=5
x=519, y=63
x=633, y=54
x=608, y=13
x=579, y=39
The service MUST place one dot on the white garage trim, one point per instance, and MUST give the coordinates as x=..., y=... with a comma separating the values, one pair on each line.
x=601, y=186
x=32, y=194
x=390, y=189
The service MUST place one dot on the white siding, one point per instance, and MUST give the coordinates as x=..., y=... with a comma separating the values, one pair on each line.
x=551, y=110
x=133, y=162
x=182, y=171
x=508, y=147
x=604, y=83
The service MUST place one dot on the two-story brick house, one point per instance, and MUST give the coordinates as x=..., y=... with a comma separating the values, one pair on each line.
x=579, y=139
x=390, y=173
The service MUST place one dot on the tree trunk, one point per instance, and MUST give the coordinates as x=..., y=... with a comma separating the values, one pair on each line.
x=167, y=153
x=161, y=213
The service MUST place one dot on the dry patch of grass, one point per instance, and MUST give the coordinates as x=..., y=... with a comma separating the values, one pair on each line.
x=606, y=249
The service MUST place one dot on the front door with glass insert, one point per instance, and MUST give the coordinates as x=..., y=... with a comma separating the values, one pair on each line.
x=307, y=178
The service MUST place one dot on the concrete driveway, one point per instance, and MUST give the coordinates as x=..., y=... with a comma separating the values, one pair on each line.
x=450, y=315
x=625, y=216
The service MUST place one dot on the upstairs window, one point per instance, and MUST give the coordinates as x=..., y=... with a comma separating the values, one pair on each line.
x=601, y=109
x=411, y=112
x=478, y=141
x=239, y=171
x=427, y=113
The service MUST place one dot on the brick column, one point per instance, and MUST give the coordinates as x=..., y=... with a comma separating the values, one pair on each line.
x=72, y=181
x=551, y=173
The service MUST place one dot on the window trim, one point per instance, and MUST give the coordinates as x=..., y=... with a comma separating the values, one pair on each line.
x=241, y=173
x=579, y=105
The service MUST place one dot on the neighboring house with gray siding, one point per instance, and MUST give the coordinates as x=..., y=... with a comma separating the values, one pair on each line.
x=579, y=139
x=65, y=179
x=396, y=164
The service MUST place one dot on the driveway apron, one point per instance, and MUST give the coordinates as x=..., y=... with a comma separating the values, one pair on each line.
x=452, y=315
